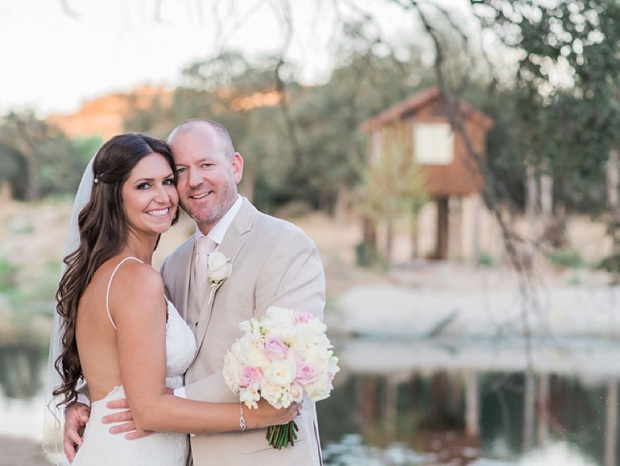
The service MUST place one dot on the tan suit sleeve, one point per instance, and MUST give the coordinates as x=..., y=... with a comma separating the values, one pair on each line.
x=291, y=276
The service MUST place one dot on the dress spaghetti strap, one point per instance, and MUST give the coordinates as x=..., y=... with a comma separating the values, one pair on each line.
x=107, y=294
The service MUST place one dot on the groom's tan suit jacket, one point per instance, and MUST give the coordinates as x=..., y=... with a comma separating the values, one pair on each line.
x=273, y=263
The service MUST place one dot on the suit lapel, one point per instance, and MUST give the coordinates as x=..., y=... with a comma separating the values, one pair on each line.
x=182, y=282
x=231, y=247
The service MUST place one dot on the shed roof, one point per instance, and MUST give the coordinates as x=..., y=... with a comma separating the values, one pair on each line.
x=410, y=105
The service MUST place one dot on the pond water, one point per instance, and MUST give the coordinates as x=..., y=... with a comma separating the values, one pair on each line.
x=427, y=402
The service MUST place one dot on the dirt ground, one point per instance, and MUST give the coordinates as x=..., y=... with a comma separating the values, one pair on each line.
x=32, y=240
x=21, y=452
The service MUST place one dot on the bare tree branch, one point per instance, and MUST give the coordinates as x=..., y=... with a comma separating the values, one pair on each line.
x=521, y=262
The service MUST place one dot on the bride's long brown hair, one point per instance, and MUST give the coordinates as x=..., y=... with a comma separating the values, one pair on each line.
x=103, y=233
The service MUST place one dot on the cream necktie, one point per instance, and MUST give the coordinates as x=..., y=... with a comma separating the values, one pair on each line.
x=204, y=247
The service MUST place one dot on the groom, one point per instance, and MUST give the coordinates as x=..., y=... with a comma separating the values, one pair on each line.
x=273, y=264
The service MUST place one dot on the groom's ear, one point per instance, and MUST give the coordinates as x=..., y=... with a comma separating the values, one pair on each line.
x=237, y=166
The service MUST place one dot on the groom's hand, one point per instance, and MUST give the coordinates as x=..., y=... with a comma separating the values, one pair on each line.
x=76, y=417
x=125, y=418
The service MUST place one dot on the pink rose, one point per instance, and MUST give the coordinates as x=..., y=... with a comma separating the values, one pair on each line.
x=276, y=349
x=306, y=373
x=250, y=376
x=303, y=317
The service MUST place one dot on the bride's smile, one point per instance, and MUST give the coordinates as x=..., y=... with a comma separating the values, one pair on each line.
x=150, y=196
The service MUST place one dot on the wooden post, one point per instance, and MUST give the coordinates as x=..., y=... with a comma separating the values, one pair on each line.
x=455, y=228
x=472, y=410
x=475, y=224
x=613, y=198
x=543, y=410
x=613, y=183
x=529, y=401
x=391, y=403
x=368, y=252
x=611, y=428
x=531, y=205
x=415, y=235
x=365, y=396
x=441, y=248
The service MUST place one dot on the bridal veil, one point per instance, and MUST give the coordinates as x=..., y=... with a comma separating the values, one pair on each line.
x=53, y=418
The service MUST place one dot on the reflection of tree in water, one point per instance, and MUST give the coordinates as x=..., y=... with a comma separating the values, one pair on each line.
x=426, y=412
x=20, y=370
x=573, y=412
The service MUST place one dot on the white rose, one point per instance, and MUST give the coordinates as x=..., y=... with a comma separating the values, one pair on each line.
x=296, y=392
x=253, y=357
x=236, y=348
x=219, y=267
x=320, y=389
x=281, y=372
x=231, y=371
x=272, y=393
x=280, y=317
x=318, y=357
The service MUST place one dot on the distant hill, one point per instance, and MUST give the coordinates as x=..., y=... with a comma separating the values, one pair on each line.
x=104, y=116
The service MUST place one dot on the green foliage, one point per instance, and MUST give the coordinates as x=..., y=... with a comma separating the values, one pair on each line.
x=610, y=264
x=86, y=148
x=8, y=273
x=39, y=159
x=485, y=259
x=298, y=142
x=394, y=185
x=366, y=254
x=566, y=257
x=561, y=114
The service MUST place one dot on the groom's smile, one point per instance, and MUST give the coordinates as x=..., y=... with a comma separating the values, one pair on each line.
x=208, y=173
x=200, y=196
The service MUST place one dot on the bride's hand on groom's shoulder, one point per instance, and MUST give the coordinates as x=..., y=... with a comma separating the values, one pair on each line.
x=76, y=417
x=124, y=418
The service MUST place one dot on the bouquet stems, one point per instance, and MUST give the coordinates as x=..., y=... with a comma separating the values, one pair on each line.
x=282, y=435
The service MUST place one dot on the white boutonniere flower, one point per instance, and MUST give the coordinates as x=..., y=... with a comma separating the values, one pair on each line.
x=220, y=269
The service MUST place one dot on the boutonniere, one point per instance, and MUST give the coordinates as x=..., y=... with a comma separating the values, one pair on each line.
x=220, y=269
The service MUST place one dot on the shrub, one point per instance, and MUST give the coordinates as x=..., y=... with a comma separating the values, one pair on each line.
x=8, y=275
x=566, y=257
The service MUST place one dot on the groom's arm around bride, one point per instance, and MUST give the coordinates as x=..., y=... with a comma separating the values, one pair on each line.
x=273, y=264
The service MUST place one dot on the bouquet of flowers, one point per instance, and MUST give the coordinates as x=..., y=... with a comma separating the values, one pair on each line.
x=280, y=357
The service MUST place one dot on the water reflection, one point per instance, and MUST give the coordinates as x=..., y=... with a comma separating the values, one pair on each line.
x=428, y=402
x=474, y=401
x=20, y=369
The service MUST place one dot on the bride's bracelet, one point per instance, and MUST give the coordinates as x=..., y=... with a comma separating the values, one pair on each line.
x=242, y=423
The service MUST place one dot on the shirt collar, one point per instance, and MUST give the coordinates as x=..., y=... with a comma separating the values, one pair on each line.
x=219, y=230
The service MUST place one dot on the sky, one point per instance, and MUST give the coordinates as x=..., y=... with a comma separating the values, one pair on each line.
x=55, y=54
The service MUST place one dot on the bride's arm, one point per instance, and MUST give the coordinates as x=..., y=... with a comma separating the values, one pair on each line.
x=139, y=311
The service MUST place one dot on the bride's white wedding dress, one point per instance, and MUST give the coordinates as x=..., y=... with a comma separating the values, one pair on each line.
x=100, y=447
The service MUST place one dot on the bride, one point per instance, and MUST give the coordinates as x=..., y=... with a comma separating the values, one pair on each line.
x=119, y=332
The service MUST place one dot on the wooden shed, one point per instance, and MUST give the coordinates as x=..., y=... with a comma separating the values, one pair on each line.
x=420, y=126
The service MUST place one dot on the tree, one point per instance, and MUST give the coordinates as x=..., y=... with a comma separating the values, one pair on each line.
x=568, y=76
x=39, y=159
x=23, y=135
x=394, y=186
